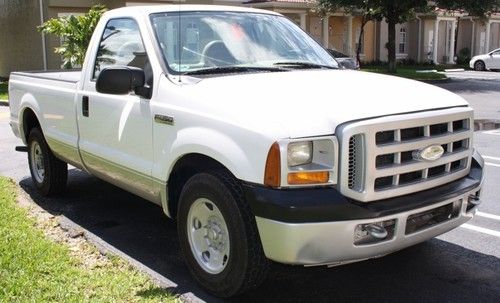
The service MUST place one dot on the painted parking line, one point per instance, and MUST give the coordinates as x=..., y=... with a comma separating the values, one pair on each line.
x=494, y=132
x=483, y=230
x=487, y=215
x=492, y=158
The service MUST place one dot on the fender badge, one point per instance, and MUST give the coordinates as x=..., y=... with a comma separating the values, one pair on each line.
x=164, y=119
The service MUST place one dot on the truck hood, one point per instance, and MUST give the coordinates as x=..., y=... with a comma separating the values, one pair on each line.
x=307, y=103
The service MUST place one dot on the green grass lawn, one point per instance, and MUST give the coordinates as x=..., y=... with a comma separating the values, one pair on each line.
x=407, y=72
x=36, y=269
x=3, y=91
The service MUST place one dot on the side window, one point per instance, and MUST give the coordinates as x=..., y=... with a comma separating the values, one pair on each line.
x=121, y=45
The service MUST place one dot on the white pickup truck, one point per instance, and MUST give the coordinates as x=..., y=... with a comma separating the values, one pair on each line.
x=246, y=131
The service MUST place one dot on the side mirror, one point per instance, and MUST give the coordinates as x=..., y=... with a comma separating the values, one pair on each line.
x=122, y=80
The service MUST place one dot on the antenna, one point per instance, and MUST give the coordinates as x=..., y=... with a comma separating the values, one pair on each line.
x=179, y=36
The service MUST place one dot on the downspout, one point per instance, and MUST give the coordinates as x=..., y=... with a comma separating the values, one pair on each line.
x=44, y=47
x=419, y=46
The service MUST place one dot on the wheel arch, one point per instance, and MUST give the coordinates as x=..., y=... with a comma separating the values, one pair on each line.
x=29, y=116
x=29, y=120
x=184, y=168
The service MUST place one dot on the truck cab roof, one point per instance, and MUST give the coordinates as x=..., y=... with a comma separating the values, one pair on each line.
x=151, y=9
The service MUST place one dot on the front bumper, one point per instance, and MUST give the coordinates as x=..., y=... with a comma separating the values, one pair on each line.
x=324, y=233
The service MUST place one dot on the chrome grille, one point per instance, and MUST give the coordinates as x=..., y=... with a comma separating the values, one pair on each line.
x=380, y=162
x=356, y=162
x=352, y=162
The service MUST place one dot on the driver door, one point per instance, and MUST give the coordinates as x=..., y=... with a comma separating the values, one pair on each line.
x=116, y=130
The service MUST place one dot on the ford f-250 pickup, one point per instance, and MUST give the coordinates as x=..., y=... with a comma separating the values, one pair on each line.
x=246, y=131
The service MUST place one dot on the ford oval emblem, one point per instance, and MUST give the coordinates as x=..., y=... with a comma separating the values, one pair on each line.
x=430, y=153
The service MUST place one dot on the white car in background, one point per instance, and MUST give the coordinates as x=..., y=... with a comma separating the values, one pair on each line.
x=489, y=61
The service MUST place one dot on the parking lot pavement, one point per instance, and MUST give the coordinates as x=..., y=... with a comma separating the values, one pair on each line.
x=482, y=95
x=460, y=266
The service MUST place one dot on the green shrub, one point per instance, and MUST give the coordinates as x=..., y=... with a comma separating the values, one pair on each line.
x=464, y=56
x=75, y=34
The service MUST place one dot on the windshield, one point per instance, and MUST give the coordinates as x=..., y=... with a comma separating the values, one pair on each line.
x=236, y=41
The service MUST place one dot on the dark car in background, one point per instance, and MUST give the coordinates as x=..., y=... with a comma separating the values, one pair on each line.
x=344, y=60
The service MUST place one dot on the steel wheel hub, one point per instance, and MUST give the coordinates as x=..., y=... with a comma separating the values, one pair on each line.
x=208, y=236
x=37, y=162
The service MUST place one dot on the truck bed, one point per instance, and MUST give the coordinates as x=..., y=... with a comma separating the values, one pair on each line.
x=53, y=94
x=71, y=76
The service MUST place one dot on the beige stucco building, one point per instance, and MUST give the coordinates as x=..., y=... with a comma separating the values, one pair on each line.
x=24, y=48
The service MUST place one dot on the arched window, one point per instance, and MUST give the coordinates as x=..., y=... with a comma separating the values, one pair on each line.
x=402, y=40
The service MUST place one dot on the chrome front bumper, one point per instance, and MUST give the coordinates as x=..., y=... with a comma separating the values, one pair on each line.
x=332, y=243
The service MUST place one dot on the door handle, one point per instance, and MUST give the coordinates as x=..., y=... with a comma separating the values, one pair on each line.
x=85, y=106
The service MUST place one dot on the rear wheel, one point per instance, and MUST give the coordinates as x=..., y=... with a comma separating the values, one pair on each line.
x=479, y=66
x=47, y=172
x=218, y=235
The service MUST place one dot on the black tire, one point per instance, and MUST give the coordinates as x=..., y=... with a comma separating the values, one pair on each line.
x=55, y=175
x=479, y=66
x=246, y=267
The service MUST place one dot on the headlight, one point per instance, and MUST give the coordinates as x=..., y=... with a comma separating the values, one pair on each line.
x=300, y=153
x=299, y=162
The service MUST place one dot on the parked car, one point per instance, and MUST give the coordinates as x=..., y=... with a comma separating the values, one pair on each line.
x=246, y=131
x=489, y=61
x=344, y=60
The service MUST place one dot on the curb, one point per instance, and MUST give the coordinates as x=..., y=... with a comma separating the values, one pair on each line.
x=105, y=248
x=447, y=80
x=426, y=71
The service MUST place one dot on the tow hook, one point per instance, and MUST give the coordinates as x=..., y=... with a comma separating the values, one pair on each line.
x=474, y=199
x=376, y=231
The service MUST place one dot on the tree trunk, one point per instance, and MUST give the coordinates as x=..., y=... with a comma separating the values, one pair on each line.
x=391, y=45
x=360, y=40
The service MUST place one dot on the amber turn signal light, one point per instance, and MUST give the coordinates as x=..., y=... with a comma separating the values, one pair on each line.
x=272, y=175
x=308, y=177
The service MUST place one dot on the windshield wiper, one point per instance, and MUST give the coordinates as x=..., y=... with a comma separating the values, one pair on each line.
x=299, y=64
x=233, y=69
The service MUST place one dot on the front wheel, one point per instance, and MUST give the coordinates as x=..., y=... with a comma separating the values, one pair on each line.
x=218, y=235
x=47, y=172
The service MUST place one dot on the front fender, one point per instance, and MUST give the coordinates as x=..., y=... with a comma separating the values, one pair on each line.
x=219, y=147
